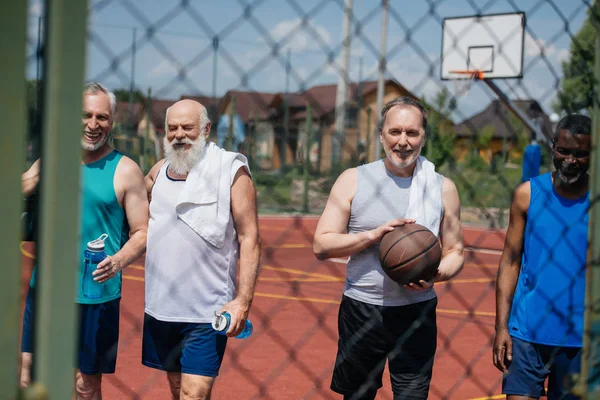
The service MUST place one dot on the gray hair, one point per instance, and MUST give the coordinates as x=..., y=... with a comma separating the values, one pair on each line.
x=95, y=88
x=404, y=101
x=204, y=120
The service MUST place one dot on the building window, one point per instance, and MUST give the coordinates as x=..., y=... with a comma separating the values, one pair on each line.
x=351, y=119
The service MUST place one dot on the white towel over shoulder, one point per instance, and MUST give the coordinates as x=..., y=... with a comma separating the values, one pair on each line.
x=205, y=202
x=425, y=204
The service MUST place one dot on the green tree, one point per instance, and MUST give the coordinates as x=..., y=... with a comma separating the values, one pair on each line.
x=123, y=95
x=440, y=138
x=577, y=89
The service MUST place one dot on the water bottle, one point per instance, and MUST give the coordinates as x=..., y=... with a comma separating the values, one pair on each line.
x=92, y=256
x=221, y=323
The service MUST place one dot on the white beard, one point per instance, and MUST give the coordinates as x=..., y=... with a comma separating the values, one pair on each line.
x=93, y=146
x=182, y=161
x=565, y=179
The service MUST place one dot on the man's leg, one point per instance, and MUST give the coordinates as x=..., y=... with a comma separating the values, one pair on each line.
x=565, y=362
x=27, y=336
x=201, y=357
x=526, y=373
x=174, y=384
x=196, y=387
x=88, y=387
x=414, y=330
x=98, y=344
x=26, y=361
x=362, y=350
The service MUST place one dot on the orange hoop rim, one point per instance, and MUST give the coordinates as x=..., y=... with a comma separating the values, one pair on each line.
x=473, y=73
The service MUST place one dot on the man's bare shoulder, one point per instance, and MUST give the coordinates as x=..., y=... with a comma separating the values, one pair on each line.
x=128, y=167
x=448, y=187
x=154, y=170
x=522, y=195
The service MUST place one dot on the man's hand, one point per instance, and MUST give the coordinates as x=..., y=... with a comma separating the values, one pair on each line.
x=502, y=349
x=423, y=285
x=238, y=311
x=107, y=269
x=377, y=234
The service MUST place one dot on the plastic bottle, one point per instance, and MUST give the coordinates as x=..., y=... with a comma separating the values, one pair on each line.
x=221, y=323
x=93, y=255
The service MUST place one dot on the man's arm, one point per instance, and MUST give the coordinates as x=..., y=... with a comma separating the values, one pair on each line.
x=451, y=234
x=451, y=237
x=245, y=217
x=30, y=179
x=135, y=204
x=331, y=236
x=508, y=273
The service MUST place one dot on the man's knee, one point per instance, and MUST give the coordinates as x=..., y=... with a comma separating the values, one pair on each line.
x=174, y=383
x=196, y=387
x=87, y=386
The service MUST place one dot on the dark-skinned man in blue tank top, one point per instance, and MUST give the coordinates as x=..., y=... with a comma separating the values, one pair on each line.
x=540, y=289
x=113, y=202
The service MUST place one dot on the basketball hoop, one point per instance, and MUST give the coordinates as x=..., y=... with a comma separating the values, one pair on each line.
x=462, y=84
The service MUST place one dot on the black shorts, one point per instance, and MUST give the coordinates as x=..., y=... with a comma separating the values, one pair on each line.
x=369, y=335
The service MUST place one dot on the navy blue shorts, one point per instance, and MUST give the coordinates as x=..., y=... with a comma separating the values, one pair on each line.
x=98, y=334
x=191, y=348
x=532, y=363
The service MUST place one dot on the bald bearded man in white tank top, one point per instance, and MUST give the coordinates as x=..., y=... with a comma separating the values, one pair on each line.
x=380, y=320
x=188, y=275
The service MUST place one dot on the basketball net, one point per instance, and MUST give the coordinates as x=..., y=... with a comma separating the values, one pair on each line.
x=462, y=84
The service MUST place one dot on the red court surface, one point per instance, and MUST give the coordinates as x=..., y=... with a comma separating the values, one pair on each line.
x=291, y=353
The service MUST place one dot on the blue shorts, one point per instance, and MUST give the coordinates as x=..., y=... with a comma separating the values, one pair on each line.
x=191, y=348
x=532, y=363
x=98, y=334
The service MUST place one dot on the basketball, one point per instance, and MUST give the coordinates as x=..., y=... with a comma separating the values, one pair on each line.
x=410, y=253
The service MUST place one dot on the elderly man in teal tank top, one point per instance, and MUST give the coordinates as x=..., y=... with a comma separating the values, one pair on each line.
x=113, y=202
x=541, y=279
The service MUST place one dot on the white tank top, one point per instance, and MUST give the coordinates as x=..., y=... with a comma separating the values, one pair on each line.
x=186, y=277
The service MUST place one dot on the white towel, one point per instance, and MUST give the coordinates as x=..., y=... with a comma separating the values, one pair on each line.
x=205, y=201
x=425, y=204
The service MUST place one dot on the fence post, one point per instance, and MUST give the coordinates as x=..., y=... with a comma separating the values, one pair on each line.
x=589, y=383
x=305, y=207
x=13, y=113
x=58, y=250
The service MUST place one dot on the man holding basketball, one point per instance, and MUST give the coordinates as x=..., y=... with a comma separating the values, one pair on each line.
x=541, y=278
x=379, y=319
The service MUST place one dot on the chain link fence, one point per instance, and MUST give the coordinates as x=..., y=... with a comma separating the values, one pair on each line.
x=298, y=88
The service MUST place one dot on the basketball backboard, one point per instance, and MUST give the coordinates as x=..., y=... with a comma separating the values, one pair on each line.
x=492, y=44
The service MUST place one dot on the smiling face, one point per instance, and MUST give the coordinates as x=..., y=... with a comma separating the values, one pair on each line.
x=97, y=120
x=571, y=156
x=187, y=127
x=403, y=136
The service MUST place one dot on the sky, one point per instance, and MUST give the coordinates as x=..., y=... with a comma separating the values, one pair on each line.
x=174, y=52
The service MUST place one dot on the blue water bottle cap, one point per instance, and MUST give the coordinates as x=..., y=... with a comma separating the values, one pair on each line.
x=98, y=244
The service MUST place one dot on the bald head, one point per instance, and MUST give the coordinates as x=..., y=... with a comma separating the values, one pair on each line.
x=188, y=115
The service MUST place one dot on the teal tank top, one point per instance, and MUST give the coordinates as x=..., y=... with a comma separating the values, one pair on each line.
x=100, y=213
x=549, y=300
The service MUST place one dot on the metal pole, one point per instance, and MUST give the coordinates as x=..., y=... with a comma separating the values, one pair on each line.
x=517, y=111
x=359, y=109
x=230, y=138
x=305, y=207
x=337, y=141
x=381, y=79
x=368, y=130
x=13, y=111
x=58, y=250
x=286, y=115
x=589, y=384
x=213, y=105
x=131, y=134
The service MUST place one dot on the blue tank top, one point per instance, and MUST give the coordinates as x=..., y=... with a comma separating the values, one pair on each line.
x=100, y=213
x=548, y=305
